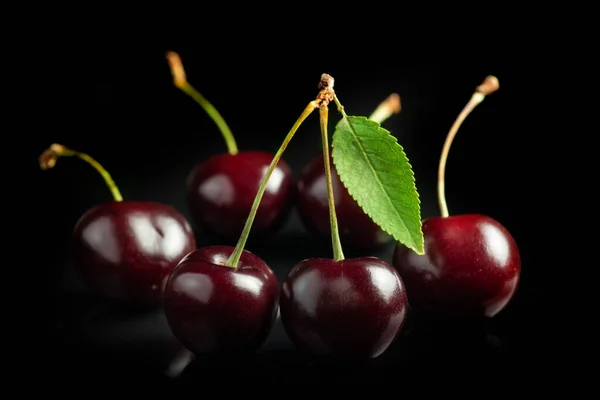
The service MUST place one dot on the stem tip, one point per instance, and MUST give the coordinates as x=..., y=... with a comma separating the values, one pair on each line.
x=489, y=85
x=326, y=93
x=177, y=70
x=326, y=81
x=388, y=107
x=394, y=103
x=48, y=158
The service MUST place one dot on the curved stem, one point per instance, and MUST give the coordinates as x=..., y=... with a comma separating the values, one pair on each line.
x=234, y=258
x=489, y=85
x=180, y=81
x=391, y=105
x=48, y=160
x=338, y=254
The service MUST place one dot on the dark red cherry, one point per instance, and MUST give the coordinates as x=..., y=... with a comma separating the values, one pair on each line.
x=125, y=249
x=221, y=191
x=353, y=308
x=212, y=307
x=356, y=229
x=470, y=269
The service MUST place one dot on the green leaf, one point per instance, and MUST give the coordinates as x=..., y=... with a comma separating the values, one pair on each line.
x=375, y=170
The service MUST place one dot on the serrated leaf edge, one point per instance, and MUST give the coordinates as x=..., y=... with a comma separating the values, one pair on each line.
x=420, y=250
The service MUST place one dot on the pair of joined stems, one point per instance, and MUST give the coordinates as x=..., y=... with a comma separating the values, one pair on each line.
x=233, y=260
x=390, y=106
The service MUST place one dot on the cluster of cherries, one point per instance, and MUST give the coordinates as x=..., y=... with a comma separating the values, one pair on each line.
x=225, y=298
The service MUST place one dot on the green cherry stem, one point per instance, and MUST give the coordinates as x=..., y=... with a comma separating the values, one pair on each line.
x=338, y=254
x=48, y=160
x=391, y=105
x=339, y=106
x=234, y=258
x=325, y=96
x=180, y=81
x=489, y=86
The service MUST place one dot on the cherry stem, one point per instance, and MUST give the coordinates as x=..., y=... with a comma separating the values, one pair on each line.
x=489, y=86
x=338, y=254
x=391, y=105
x=339, y=106
x=49, y=157
x=180, y=81
x=234, y=258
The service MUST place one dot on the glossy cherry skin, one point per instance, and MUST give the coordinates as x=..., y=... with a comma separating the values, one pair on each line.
x=126, y=249
x=221, y=191
x=353, y=308
x=470, y=269
x=356, y=229
x=213, y=308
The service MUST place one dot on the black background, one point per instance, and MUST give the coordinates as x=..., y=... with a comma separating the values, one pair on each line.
x=119, y=106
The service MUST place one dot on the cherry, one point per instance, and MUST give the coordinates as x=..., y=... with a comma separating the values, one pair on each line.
x=125, y=249
x=357, y=229
x=471, y=266
x=353, y=307
x=212, y=307
x=222, y=299
x=221, y=189
x=349, y=308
